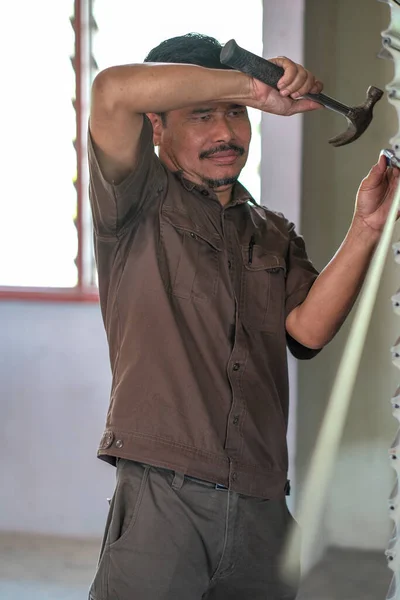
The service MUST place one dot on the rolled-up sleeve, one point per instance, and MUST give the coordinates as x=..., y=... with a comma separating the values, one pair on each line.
x=114, y=206
x=301, y=275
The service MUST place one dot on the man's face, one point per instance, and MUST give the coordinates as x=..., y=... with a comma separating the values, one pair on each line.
x=208, y=143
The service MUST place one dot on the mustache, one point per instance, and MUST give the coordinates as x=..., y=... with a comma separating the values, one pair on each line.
x=222, y=148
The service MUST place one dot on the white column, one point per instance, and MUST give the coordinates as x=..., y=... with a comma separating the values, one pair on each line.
x=281, y=154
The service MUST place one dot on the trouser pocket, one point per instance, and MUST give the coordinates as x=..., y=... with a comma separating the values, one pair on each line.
x=132, y=479
x=125, y=505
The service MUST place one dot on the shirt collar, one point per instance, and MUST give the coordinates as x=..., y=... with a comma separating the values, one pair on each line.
x=239, y=193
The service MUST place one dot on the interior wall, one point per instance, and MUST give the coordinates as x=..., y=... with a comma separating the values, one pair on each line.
x=55, y=380
x=342, y=40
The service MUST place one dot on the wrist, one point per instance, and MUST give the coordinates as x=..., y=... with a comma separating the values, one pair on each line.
x=245, y=86
x=361, y=232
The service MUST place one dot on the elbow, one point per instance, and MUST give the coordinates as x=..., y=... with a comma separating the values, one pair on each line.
x=307, y=333
x=113, y=88
x=103, y=89
x=309, y=336
x=315, y=344
x=110, y=87
x=310, y=342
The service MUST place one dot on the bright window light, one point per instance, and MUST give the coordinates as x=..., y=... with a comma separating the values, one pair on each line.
x=38, y=242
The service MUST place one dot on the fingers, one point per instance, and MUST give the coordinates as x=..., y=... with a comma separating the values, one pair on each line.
x=389, y=159
x=383, y=168
x=375, y=177
x=379, y=169
x=392, y=181
x=296, y=80
x=303, y=105
x=393, y=176
x=395, y=173
x=382, y=162
x=379, y=173
x=308, y=85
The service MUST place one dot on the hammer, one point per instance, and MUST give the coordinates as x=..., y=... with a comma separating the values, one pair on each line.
x=358, y=117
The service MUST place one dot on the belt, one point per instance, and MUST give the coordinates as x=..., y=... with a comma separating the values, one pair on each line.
x=216, y=486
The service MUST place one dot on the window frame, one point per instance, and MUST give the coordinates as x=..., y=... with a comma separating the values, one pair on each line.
x=84, y=66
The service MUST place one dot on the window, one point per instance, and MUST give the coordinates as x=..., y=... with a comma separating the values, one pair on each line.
x=44, y=245
x=46, y=241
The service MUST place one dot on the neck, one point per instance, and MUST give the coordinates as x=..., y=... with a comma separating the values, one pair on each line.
x=224, y=196
x=222, y=188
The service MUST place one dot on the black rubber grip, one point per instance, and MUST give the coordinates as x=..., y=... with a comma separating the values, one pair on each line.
x=242, y=60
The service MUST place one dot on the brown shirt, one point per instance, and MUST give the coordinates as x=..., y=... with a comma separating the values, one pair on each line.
x=194, y=298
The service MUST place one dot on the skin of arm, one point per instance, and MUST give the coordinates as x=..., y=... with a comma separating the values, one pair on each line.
x=122, y=94
x=316, y=321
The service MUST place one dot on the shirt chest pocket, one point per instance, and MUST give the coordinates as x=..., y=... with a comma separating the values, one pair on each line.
x=262, y=289
x=189, y=258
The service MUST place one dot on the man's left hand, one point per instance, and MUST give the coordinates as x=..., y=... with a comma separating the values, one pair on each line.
x=375, y=196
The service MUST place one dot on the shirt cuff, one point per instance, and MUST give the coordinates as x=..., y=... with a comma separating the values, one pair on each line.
x=295, y=299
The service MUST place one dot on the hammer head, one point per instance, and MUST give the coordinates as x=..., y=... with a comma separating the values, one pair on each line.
x=358, y=118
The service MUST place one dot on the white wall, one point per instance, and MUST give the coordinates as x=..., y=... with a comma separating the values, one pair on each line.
x=54, y=386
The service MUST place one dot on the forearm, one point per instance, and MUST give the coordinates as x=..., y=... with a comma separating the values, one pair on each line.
x=158, y=88
x=316, y=321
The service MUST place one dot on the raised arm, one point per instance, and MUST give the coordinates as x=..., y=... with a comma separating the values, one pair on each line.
x=122, y=94
x=317, y=320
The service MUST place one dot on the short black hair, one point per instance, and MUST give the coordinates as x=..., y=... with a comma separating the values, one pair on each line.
x=191, y=48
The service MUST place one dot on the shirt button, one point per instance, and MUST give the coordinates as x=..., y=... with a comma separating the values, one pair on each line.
x=119, y=443
x=236, y=367
x=107, y=440
x=236, y=419
x=193, y=235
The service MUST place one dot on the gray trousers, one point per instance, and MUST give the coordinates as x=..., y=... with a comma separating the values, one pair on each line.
x=171, y=537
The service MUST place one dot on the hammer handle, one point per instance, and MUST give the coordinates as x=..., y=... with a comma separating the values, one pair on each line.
x=240, y=59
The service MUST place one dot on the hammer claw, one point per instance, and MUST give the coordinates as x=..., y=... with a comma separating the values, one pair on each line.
x=348, y=136
x=358, y=117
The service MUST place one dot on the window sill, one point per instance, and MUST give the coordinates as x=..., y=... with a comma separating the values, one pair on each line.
x=88, y=295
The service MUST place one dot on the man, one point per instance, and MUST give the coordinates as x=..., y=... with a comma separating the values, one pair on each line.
x=201, y=292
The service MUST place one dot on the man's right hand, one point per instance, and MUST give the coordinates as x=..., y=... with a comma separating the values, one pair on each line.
x=294, y=83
